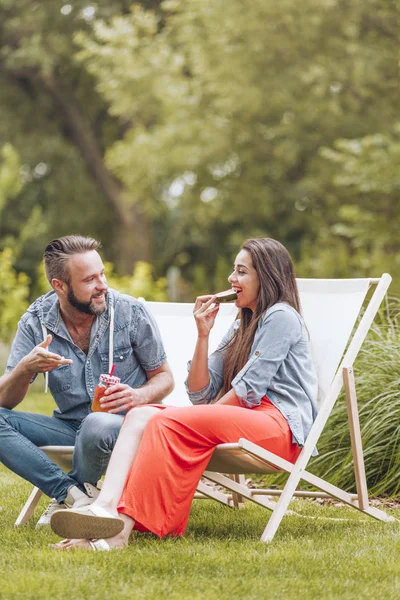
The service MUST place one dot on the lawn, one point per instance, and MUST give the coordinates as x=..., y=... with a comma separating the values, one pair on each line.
x=326, y=552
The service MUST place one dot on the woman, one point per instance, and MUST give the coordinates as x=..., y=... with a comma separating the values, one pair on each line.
x=265, y=387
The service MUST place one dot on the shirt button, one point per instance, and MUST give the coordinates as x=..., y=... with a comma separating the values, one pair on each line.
x=90, y=389
x=121, y=357
x=256, y=353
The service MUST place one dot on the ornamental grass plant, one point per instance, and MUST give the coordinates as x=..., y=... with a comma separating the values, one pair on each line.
x=377, y=374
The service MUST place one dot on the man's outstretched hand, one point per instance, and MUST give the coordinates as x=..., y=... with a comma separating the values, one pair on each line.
x=41, y=360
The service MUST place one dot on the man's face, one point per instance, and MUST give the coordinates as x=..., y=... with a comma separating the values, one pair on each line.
x=87, y=286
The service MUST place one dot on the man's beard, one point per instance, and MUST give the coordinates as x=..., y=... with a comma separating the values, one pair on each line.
x=85, y=307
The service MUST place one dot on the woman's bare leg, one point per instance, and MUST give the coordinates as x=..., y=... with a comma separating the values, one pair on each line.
x=122, y=456
x=118, y=468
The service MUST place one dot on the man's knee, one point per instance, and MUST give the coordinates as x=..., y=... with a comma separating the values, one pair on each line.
x=9, y=419
x=99, y=429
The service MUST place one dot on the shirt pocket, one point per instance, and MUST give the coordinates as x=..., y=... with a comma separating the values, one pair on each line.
x=60, y=379
x=123, y=361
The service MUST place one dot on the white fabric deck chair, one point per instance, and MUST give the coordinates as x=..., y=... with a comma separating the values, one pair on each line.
x=330, y=308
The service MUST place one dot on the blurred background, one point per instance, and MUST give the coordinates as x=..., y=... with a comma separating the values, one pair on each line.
x=174, y=130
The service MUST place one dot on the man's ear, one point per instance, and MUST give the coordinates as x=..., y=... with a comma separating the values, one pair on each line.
x=59, y=286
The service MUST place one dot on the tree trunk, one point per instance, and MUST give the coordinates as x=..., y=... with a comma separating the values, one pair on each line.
x=132, y=242
x=133, y=234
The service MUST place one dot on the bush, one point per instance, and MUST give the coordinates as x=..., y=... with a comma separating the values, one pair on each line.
x=377, y=372
x=141, y=284
x=14, y=293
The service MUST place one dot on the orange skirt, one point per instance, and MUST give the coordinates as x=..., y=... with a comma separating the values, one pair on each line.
x=176, y=447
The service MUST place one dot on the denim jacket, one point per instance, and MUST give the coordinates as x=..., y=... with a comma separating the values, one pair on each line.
x=136, y=341
x=279, y=367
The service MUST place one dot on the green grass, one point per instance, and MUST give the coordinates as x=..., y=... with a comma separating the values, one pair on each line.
x=220, y=557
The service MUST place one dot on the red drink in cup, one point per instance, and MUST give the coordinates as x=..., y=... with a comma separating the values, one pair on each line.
x=106, y=381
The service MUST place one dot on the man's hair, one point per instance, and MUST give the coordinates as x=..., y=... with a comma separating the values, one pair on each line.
x=60, y=250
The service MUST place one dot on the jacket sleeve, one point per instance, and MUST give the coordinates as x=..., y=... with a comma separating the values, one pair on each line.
x=277, y=333
x=146, y=340
x=23, y=343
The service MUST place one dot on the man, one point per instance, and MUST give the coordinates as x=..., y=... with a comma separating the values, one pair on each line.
x=67, y=335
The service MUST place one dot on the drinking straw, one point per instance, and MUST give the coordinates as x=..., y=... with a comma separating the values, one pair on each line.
x=112, y=370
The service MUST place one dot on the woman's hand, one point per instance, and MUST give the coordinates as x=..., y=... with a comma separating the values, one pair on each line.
x=205, y=310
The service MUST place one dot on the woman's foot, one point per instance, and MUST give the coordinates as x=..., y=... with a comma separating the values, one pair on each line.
x=89, y=522
x=113, y=543
x=118, y=541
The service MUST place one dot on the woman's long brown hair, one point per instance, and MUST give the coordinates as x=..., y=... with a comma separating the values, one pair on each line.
x=275, y=272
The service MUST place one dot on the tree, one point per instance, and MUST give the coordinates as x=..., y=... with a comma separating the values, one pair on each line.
x=193, y=125
x=61, y=127
x=365, y=172
x=14, y=287
x=229, y=105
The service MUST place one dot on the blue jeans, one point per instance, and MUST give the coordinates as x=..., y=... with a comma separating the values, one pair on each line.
x=21, y=433
x=94, y=443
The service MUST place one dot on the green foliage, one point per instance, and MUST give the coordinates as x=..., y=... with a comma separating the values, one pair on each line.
x=377, y=371
x=41, y=285
x=57, y=123
x=141, y=284
x=364, y=238
x=14, y=292
x=219, y=121
x=229, y=108
x=10, y=177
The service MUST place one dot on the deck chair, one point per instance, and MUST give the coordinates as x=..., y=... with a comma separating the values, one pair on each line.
x=331, y=309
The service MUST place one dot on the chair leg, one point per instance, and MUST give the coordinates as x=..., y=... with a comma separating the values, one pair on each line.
x=208, y=492
x=355, y=436
x=29, y=507
x=237, y=499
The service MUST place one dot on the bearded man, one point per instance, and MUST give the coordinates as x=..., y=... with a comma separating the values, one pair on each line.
x=73, y=334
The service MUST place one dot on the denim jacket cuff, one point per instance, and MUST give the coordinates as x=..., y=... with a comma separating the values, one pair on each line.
x=240, y=388
x=200, y=396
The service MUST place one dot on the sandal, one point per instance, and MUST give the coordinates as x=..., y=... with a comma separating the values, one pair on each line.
x=90, y=522
x=99, y=545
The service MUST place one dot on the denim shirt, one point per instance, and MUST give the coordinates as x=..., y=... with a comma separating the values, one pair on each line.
x=137, y=348
x=279, y=367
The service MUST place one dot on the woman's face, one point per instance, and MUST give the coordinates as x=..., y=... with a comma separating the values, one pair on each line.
x=244, y=281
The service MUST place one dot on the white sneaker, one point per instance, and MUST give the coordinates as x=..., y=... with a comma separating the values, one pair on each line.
x=46, y=516
x=75, y=499
x=92, y=491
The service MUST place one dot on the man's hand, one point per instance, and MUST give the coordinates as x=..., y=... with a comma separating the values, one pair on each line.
x=40, y=360
x=121, y=397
